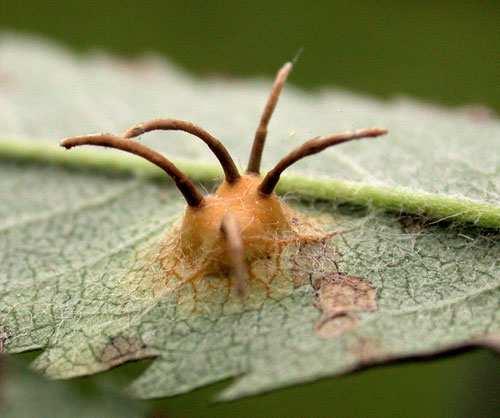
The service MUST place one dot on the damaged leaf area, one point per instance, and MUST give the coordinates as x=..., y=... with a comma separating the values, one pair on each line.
x=341, y=298
x=82, y=281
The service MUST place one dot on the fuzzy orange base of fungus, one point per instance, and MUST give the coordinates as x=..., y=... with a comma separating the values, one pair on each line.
x=196, y=248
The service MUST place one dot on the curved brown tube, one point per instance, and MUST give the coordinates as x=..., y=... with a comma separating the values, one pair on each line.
x=193, y=197
x=231, y=231
x=261, y=133
x=230, y=170
x=313, y=146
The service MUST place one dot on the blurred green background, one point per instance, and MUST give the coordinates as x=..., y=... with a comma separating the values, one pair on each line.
x=440, y=51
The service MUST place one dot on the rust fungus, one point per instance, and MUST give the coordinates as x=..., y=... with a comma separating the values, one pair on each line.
x=242, y=230
x=341, y=298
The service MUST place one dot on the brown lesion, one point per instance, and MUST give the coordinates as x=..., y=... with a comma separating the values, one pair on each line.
x=366, y=350
x=242, y=231
x=123, y=348
x=341, y=298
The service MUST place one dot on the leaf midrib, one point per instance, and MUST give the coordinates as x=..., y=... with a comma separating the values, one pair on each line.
x=396, y=199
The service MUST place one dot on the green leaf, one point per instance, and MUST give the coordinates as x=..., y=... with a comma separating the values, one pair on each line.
x=77, y=279
x=440, y=162
x=74, y=282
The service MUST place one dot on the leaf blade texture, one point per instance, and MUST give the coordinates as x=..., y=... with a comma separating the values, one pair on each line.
x=65, y=288
x=74, y=283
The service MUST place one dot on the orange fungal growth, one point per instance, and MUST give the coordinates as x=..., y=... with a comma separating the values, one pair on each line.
x=258, y=217
x=241, y=230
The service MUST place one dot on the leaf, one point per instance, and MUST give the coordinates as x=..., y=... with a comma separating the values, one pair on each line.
x=78, y=282
x=444, y=163
x=73, y=282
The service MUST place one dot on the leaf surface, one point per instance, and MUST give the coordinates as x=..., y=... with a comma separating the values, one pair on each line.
x=74, y=283
x=76, y=279
x=430, y=150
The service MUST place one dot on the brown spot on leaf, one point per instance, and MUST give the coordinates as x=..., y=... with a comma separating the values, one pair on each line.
x=341, y=298
x=121, y=349
x=366, y=350
x=311, y=260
